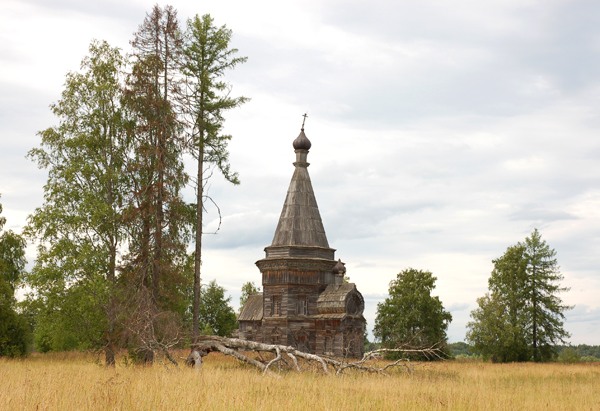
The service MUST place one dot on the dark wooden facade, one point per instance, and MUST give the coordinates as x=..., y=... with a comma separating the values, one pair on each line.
x=304, y=302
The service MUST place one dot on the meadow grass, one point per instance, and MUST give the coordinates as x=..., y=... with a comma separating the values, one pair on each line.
x=75, y=381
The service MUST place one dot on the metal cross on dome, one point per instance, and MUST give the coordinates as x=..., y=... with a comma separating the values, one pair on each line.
x=304, y=115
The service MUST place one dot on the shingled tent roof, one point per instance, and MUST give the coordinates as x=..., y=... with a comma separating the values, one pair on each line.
x=252, y=309
x=300, y=223
x=333, y=300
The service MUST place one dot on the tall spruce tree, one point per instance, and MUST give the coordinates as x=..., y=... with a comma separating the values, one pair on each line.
x=79, y=226
x=206, y=98
x=521, y=318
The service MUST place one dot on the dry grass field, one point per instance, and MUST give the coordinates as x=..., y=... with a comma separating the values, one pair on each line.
x=73, y=381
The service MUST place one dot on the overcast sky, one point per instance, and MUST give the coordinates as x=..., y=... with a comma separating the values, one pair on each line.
x=442, y=132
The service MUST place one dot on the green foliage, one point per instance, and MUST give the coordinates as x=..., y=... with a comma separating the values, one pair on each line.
x=205, y=98
x=521, y=318
x=68, y=318
x=546, y=311
x=217, y=317
x=588, y=350
x=15, y=335
x=492, y=335
x=12, y=257
x=247, y=290
x=207, y=57
x=411, y=316
x=569, y=355
x=14, y=330
x=585, y=353
x=80, y=225
x=460, y=349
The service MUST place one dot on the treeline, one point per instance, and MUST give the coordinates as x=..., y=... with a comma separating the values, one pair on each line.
x=113, y=267
x=565, y=353
x=581, y=352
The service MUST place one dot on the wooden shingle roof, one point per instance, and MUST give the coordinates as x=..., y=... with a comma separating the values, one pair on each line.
x=335, y=298
x=300, y=223
x=252, y=309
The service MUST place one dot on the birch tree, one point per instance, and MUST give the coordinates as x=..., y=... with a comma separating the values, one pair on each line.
x=79, y=226
x=411, y=316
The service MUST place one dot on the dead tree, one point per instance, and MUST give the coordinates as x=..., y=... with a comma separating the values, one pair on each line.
x=194, y=360
x=154, y=331
x=279, y=355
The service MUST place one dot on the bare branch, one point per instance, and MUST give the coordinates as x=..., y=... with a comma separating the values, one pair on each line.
x=239, y=349
x=218, y=211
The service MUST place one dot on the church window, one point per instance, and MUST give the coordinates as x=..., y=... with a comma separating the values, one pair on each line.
x=354, y=305
x=276, y=336
x=276, y=307
x=302, y=306
x=328, y=349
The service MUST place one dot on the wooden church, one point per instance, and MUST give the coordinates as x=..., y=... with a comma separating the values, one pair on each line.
x=305, y=301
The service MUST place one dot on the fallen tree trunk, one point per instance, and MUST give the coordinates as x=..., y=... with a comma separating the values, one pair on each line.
x=242, y=349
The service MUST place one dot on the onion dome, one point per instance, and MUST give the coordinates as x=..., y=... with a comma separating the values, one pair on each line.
x=339, y=268
x=302, y=142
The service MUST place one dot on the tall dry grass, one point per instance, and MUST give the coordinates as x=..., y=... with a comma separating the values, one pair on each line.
x=75, y=382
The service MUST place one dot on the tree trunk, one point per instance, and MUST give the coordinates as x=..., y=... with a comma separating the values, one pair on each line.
x=198, y=249
x=194, y=360
x=109, y=351
x=157, y=261
x=534, y=324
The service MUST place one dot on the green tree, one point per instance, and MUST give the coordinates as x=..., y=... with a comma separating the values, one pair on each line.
x=497, y=331
x=12, y=256
x=411, y=315
x=521, y=318
x=491, y=334
x=14, y=330
x=569, y=355
x=247, y=290
x=79, y=225
x=216, y=314
x=460, y=349
x=207, y=56
x=71, y=318
x=546, y=308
